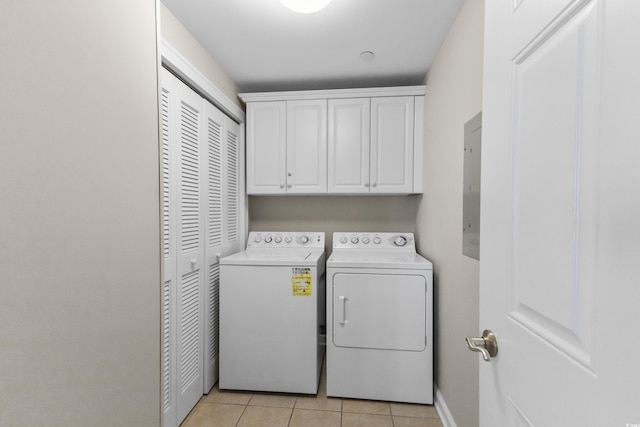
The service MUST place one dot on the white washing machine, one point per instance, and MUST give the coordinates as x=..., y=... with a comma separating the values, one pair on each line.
x=379, y=319
x=272, y=315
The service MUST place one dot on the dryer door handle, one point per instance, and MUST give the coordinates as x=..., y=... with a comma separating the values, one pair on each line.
x=344, y=310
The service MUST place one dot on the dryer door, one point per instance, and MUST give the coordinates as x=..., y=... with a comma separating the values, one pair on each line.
x=379, y=311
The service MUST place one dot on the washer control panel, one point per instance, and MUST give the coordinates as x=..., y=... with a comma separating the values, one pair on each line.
x=374, y=241
x=285, y=239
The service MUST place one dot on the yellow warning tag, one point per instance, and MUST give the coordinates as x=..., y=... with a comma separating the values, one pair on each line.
x=301, y=282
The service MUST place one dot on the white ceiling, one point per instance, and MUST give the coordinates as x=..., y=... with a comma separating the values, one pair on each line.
x=265, y=47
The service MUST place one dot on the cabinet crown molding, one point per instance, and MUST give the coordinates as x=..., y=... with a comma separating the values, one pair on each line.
x=334, y=93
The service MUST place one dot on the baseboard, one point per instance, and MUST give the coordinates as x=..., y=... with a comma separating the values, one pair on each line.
x=443, y=410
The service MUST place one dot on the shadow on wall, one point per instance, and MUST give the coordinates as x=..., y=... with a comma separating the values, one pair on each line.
x=332, y=213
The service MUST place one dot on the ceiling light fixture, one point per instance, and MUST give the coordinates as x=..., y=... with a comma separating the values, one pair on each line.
x=305, y=6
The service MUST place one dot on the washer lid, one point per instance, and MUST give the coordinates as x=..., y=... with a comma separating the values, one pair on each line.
x=378, y=259
x=277, y=257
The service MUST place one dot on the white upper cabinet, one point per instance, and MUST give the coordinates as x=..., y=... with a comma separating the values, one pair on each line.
x=266, y=147
x=287, y=147
x=349, y=140
x=353, y=141
x=392, y=125
x=307, y=146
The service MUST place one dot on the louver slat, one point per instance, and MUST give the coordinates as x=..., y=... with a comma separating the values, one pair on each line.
x=215, y=182
x=213, y=311
x=232, y=187
x=190, y=182
x=189, y=330
x=166, y=345
x=166, y=178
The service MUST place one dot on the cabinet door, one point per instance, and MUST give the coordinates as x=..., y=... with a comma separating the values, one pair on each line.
x=266, y=147
x=349, y=133
x=307, y=146
x=392, y=121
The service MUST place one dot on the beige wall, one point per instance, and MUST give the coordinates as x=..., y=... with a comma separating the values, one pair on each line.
x=79, y=223
x=332, y=213
x=181, y=39
x=454, y=95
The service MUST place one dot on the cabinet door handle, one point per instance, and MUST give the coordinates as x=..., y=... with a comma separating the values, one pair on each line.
x=344, y=310
x=366, y=184
x=375, y=184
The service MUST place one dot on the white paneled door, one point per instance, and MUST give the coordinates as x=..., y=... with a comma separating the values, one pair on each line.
x=559, y=241
x=202, y=221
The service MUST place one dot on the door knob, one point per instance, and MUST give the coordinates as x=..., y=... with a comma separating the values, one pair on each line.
x=486, y=344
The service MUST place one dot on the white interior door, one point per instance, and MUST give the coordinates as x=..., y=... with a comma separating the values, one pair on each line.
x=559, y=241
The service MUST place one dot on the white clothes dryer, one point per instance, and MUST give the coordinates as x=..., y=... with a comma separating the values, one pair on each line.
x=379, y=319
x=272, y=315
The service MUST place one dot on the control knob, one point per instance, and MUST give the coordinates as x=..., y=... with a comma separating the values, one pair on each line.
x=365, y=240
x=287, y=239
x=304, y=239
x=278, y=239
x=268, y=239
x=377, y=240
x=257, y=239
x=344, y=240
x=355, y=240
x=400, y=241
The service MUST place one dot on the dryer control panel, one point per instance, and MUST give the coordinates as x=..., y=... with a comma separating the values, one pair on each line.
x=387, y=241
x=285, y=239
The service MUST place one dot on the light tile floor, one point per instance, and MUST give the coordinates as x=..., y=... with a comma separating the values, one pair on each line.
x=245, y=409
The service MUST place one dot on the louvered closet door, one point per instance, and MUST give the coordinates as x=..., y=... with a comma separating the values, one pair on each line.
x=190, y=241
x=214, y=237
x=223, y=226
x=203, y=220
x=169, y=397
